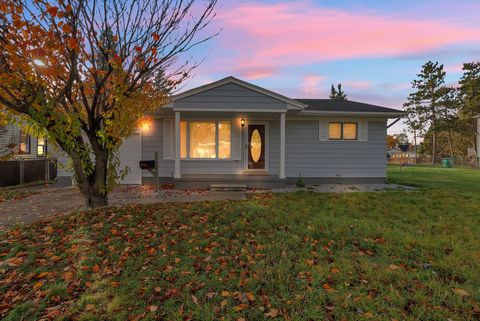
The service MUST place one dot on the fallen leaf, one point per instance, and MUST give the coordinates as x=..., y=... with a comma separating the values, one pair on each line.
x=250, y=296
x=273, y=313
x=152, y=308
x=95, y=268
x=461, y=292
x=177, y=260
x=67, y=276
x=42, y=275
x=115, y=284
x=335, y=270
x=89, y=307
x=194, y=299
x=223, y=304
x=394, y=267
x=225, y=293
x=88, y=284
x=38, y=285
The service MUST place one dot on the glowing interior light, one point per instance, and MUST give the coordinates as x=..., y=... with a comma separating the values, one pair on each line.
x=39, y=63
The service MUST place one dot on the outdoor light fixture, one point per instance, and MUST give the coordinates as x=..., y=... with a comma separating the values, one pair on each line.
x=38, y=62
x=145, y=124
x=242, y=122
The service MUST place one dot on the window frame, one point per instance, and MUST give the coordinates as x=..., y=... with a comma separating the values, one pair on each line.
x=216, y=121
x=342, y=135
x=28, y=144
x=44, y=146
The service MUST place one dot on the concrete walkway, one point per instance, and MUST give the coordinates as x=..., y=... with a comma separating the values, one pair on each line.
x=51, y=200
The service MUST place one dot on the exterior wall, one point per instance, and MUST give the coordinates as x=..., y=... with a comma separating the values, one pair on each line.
x=153, y=141
x=230, y=96
x=306, y=155
x=8, y=135
x=12, y=135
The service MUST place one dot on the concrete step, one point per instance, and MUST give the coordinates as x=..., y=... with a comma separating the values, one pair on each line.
x=228, y=187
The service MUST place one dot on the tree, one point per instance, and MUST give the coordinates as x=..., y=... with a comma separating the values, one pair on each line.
x=87, y=71
x=469, y=93
x=427, y=105
x=337, y=94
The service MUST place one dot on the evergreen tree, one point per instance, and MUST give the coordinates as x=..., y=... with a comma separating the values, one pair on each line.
x=338, y=93
x=469, y=92
x=430, y=102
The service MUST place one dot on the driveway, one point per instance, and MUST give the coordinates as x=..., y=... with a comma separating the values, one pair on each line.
x=36, y=203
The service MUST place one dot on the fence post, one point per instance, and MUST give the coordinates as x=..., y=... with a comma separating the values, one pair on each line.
x=22, y=171
x=47, y=170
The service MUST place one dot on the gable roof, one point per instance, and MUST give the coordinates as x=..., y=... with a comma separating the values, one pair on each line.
x=291, y=103
x=347, y=106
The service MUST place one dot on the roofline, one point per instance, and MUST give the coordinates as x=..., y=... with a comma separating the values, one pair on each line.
x=354, y=113
x=290, y=102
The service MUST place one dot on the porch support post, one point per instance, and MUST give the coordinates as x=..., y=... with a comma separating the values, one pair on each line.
x=177, y=145
x=282, y=146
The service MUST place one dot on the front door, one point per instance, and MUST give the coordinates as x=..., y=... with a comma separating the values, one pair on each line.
x=256, y=149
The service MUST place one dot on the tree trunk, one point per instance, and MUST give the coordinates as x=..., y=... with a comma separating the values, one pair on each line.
x=450, y=144
x=415, y=146
x=434, y=145
x=92, y=186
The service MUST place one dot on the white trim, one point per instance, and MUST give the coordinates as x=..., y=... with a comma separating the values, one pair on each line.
x=291, y=102
x=266, y=169
x=282, y=146
x=352, y=113
x=231, y=110
x=177, y=145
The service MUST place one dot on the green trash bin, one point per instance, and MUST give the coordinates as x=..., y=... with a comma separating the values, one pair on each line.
x=447, y=163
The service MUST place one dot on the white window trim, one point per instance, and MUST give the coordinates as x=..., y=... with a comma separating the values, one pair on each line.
x=216, y=121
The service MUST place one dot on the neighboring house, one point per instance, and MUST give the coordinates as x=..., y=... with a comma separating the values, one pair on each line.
x=397, y=156
x=15, y=141
x=231, y=131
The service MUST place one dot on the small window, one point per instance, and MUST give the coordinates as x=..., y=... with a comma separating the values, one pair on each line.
x=24, y=143
x=350, y=131
x=335, y=131
x=41, y=146
x=342, y=131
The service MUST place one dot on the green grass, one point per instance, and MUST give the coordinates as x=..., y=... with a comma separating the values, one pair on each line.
x=395, y=255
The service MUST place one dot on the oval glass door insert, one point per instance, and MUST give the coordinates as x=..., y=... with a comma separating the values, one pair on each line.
x=256, y=145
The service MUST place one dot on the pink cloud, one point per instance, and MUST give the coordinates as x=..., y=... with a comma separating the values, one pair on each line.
x=311, y=85
x=300, y=32
x=257, y=73
x=357, y=84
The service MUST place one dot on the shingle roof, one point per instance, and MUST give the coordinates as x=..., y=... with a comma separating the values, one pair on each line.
x=344, y=106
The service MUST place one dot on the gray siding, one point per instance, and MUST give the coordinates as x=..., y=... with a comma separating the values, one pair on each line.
x=8, y=135
x=153, y=141
x=230, y=96
x=307, y=156
x=11, y=134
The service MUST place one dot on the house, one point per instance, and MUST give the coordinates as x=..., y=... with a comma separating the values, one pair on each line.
x=231, y=131
x=19, y=144
x=396, y=155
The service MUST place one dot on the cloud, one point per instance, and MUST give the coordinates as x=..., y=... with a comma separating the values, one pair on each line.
x=357, y=84
x=311, y=85
x=275, y=35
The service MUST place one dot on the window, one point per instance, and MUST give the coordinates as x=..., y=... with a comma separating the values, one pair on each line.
x=24, y=143
x=335, y=131
x=342, y=131
x=202, y=139
x=41, y=146
x=205, y=139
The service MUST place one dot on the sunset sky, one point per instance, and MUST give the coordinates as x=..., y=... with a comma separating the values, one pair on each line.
x=374, y=48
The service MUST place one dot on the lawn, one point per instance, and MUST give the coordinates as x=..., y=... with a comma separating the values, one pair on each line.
x=395, y=255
